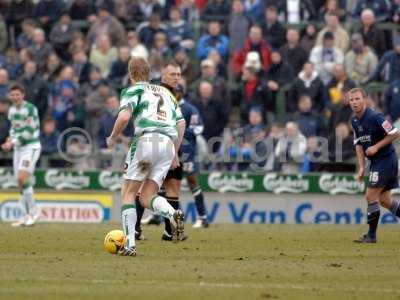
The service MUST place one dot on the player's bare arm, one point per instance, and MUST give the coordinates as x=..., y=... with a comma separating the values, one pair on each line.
x=120, y=124
x=181, y=125
x=361, y=162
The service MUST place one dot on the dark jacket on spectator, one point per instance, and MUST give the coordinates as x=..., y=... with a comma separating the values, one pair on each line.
x=81, y=11
x=17, y=11
x=106, y=124
x=178, y=33
x=341, y=113
x=251, y=94
x=274, y=34
x=381, y=8
x=51, y=76
x=4, y=127
x=313, y=87
x=392, y=100
x=146, y=35
x=295, y=57
x=61, y=37
x=310, y=123
x=391, y=61
x=52, y=9
x=375, y=39
x=395, y=13
x=37, y=92
x=83, y=71
x=119, y=70
x=215, y=117
x=41, y=54
x=216, y=10
x=239, y=57
x=49, y=142
x=282, y=73
x=307, y=42
x=254, y=10
x=238, y=29
x=24, y=41
x=4, y=90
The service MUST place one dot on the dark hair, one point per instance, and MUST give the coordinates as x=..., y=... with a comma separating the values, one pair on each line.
x=214, y=21
x=29, y=22
x=272, y=7
x=172, y=63
x=49, y=119
x=176, y=8
x=17, y=87
x=328, y=36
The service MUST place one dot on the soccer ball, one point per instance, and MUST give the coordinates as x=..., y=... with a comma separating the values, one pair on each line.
x=114, y=241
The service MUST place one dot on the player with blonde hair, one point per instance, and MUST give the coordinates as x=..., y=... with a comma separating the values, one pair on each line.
x=159, y=129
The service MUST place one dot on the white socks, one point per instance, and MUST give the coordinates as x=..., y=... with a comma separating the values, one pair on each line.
x=161, y=206
x=29, y=201
x=129, y=217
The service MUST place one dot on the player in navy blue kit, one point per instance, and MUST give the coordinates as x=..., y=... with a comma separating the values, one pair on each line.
x=373, y=137
x=190, y=166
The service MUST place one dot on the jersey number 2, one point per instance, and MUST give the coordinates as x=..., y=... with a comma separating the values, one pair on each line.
x=161, y=113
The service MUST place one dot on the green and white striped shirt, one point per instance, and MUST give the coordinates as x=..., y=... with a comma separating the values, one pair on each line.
x=25, y=126
x=154, y=109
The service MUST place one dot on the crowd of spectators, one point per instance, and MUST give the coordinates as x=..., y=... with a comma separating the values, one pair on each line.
x=236, y=56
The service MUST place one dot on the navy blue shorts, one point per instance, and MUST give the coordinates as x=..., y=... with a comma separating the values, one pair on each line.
x=383, y=173
x=189, y=164
x=190, y=168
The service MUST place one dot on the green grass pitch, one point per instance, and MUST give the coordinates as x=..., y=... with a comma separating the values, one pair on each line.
x=62, y=261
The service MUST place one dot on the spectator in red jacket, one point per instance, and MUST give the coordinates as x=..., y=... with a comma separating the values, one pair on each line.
x=254, y=42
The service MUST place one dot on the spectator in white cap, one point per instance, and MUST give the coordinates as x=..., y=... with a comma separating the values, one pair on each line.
x=253, y=60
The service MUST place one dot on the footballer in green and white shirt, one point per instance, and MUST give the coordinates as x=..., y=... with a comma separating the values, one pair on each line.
x=159, y=129
x=154, y=109
x=24, y=139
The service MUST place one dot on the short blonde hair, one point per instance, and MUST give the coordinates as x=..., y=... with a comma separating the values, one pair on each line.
x=358, y=90
x=139, y=69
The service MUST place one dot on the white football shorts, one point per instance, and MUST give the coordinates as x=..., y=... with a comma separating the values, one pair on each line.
x=150, y=157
